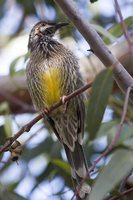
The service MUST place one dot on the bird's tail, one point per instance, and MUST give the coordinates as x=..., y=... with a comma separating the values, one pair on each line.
x=79, y=170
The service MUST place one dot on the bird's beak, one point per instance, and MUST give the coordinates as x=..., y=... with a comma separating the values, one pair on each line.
x=60, y=25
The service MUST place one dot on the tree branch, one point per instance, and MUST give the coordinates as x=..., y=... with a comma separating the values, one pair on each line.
x=28, y=126
x=112, y=144
x=122, y=77
x=14, y=91
x=130, y=42
x=122, y=194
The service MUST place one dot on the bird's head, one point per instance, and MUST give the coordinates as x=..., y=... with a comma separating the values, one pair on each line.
x=42, y=33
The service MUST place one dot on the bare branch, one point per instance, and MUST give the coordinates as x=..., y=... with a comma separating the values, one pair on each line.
x=113, y=142
x=18, y=102
x=14, y=91
x=130, y=42
x=122, y=194
x=122, y=77
x=117, y=134
x=28, y=126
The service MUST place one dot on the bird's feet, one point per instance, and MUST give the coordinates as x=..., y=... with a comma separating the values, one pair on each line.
x=64, y=102
x=45, y=112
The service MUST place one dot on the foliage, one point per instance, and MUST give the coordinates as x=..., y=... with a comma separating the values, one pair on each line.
x=101, y=90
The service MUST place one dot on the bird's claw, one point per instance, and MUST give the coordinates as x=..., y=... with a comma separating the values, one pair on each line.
x=63, y=100
x=45, y=112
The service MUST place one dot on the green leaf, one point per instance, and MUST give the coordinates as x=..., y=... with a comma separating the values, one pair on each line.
x=63, y=165
x=8, y=125
x=6, y=194
x=12, y=185
x=105, y=33
x=45, y=146
x=107, y=128
x=4, y=108
x=13, y=70
x=101, y=90
x=13, y=66
x=48, y=146
x=117, y=30
x=26, y=56
x=119, y=166
x=126, y=133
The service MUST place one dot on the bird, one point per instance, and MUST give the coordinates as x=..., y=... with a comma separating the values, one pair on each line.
x=52, y=73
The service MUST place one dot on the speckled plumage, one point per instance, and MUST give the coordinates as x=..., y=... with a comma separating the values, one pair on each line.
x=52, y=72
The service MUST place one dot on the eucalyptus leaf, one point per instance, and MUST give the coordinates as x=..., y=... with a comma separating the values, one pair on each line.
x=5, y=194
x=8, y=125
x=116, y=30
x=105, y=33
x=43, y=147
x=13, y=66
x=4, y=107
x=26, y=56
x=126, y=133
x=107, y=128
x=101, y=90
x=118, y=167
x=62, y=164
x=48, y=147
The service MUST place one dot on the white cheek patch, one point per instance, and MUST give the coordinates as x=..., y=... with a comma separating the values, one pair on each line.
x=35, y=37
x=43, y=28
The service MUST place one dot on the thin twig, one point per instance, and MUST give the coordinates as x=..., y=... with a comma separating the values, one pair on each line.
x=117, y=134
x=124, y=182
x=122, y=77
x=122, y=194
x=28, y=126
x=130, y=42
x=109, y=148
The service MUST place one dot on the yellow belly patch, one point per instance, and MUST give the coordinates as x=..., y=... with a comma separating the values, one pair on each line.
x=50, y=84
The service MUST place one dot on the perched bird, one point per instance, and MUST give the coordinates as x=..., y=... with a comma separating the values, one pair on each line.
x=53, y=72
